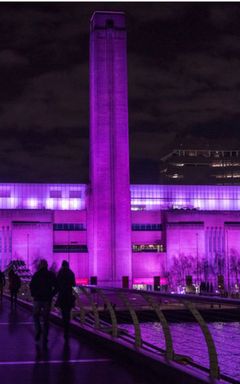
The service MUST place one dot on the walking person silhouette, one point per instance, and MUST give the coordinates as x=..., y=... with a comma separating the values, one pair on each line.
x=2, y=284
x=14, y=282
x=43, y=288
x=65, y=299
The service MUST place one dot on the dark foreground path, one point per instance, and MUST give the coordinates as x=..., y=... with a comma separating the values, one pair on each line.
x=22, y=362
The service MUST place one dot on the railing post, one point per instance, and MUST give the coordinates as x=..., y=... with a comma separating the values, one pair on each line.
x=138, y=339
x=25, y=291
x=81, y=308
x=94, y=307
x=111, y=311
x=212, y=353
x=164, y=323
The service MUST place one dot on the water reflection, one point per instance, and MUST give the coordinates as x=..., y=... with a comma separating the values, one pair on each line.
x=188, y=339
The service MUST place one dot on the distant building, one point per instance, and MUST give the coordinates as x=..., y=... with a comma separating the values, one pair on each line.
x=201, y=166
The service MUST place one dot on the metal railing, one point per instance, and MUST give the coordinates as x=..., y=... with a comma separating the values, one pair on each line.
x=159, y=323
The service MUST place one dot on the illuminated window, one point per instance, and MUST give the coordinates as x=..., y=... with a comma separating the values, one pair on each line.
x=175, y=176
x=228, y=176
x=148, y=248
x=138, y=207
x=216, y=154
x=225, y=164
x=192, y=153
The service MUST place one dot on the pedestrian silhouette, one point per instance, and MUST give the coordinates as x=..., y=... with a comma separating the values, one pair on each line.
x=43, y=288
x=14, y=282
x=2, y=284
x=65, y=299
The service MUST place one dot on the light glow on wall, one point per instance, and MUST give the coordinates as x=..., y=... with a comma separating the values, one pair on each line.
x=82, y=281
x=143, y=280
x=148, y=280
x=41, y=196
x=143, y=197
x=74, y=204
x=32, y=203
x=200, y=197
x=49, y=203
x=64, y=204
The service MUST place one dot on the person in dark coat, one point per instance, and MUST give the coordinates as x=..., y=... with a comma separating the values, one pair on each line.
x=14, y=282
x=66, y=299
x=2, y=284
x=43, y=288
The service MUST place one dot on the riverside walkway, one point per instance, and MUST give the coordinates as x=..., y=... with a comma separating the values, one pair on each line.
x=23, y=362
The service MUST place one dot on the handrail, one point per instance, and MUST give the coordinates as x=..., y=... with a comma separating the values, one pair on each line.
x=127, y=303
x=187, y=297
x=213, y=358
x=138, y=339
x=165, y=326
x=81, y=307
x=111, y=311
x=94, y=307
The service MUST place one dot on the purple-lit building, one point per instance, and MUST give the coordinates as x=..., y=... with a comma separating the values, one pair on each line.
x=109, y=236
x=108, y=228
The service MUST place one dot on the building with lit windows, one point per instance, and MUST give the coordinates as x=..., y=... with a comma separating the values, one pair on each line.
x=201, y=166
x=110, y=229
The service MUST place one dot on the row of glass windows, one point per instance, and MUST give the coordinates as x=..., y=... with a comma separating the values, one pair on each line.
x=69, y=227
x=146, y=227
x=82, y=227
x=73, y=194
x=82, y=248
x=57, y=194
x=232, y=175
x=148, y=248
x=70, y=248
x=206, y=153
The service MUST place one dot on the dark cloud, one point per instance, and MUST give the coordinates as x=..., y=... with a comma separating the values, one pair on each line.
x=184, y=82
x=11, y=58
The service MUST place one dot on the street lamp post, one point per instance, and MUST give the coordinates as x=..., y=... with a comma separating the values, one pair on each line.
x=28, y=250
x=68, y=244
x=197, y=258
x=228, y=265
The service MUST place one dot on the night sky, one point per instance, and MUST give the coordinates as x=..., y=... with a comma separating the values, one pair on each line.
x=184, y=85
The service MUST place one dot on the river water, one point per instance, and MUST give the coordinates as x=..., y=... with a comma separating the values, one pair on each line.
x=189, y=340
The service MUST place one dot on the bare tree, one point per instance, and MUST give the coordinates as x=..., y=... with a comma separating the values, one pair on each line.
x=176, y=272
x=235, y=265
x=205, y=269
x=181, y=267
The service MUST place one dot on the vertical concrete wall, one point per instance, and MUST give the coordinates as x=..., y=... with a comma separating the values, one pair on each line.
x=109, y=229
x=32, y=241
x=204, y=243
x=25, y=235
x=78, y=261
x=147, y=265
